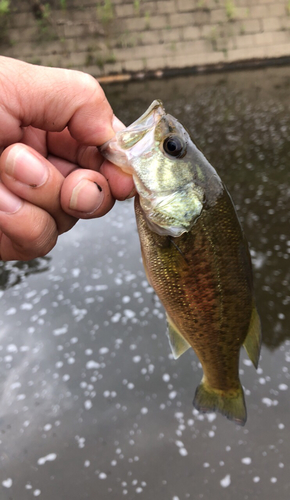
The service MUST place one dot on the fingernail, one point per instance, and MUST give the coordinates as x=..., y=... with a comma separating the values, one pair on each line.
x=9, y=203
x=117, y=124
x=133, y=193
x=25, y=167
x=86, y=197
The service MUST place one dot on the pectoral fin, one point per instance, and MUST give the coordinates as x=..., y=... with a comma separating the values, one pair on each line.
x=177, y=342
x=253, y=340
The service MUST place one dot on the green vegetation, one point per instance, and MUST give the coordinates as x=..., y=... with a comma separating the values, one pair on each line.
x=46, y=11
x=128, y=39
x=97, y=56
x=43, y=17
x=230, y=9
x=212, y=37
x=47, y=28
x=100, y=61
x=4, y=11
x=105, y=12
x=35, y=60
x=147, y=20
x=137, y=6
x=89, y=59
x=288, y=7
x=4, y=7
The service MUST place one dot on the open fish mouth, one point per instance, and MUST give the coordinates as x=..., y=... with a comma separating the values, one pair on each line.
x=135, y=140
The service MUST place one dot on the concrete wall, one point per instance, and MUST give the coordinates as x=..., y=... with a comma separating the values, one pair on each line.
x=124, y=36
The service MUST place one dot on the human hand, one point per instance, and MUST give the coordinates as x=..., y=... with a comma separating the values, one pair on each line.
x=51, y=173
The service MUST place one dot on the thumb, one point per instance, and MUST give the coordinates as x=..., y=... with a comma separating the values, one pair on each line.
x=51, y=99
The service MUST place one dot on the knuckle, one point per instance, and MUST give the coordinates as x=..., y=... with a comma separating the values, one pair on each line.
x=89, y=82
x=89, y=85
x=42, y=236
x=92, y=87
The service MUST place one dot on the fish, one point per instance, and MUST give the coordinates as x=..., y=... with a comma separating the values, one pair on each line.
x=194, y=252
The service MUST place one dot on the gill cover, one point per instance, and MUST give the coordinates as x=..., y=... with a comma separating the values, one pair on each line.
x=154, y=149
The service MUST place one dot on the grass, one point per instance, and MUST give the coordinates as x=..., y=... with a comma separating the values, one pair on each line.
x=4, y=7
x=105, y=12
x=230, y=9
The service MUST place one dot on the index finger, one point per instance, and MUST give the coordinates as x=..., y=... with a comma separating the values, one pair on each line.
x=51, y=99
x=63, y=145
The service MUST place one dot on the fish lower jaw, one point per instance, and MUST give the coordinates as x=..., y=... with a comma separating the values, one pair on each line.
x=174, y=231
x=161, y=227
x=158, y=221
x=112, y=152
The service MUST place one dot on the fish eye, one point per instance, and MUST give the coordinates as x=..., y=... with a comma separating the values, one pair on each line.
x=174, y=146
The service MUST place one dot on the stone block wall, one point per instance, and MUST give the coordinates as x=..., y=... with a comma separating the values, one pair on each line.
x=123, y=37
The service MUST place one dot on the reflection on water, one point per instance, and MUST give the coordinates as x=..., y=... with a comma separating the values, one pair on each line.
x=92, y=405
x=12, y=273
x=241, y=122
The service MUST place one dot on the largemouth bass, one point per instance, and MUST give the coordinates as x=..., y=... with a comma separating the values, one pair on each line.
x=194, y=252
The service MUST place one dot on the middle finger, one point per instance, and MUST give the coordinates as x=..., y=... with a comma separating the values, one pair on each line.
x=33, y=178
x=63, y=145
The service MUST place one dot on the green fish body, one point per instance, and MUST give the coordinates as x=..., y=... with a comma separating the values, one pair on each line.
x=194, y=252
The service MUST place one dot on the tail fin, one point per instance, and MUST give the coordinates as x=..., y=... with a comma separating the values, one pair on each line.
x=230, y=403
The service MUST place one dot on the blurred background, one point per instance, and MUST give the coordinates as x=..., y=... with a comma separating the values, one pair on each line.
x=92, y=405
x=124, y=37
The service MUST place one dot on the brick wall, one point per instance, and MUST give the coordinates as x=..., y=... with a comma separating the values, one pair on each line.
x=135, y=36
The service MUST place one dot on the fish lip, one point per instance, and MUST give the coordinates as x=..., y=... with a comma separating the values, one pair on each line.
x=119, y=149
x=153, y=114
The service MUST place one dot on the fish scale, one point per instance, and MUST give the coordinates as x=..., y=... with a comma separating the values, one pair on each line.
x=201, y=303
x=194, y=252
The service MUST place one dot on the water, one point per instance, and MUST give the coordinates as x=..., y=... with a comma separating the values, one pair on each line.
x=92, y=403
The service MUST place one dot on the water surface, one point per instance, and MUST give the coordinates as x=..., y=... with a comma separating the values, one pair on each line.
x=92, y=403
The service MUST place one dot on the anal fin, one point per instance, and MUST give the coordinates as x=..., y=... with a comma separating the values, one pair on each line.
x=253, y=340
x=177, y=342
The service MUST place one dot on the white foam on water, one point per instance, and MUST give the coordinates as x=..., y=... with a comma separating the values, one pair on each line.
x=7, y=483
x=48, y=458
x=283, y=387
x=226, y=481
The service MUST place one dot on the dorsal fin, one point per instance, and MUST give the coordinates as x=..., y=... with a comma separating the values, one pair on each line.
x=177, y=342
